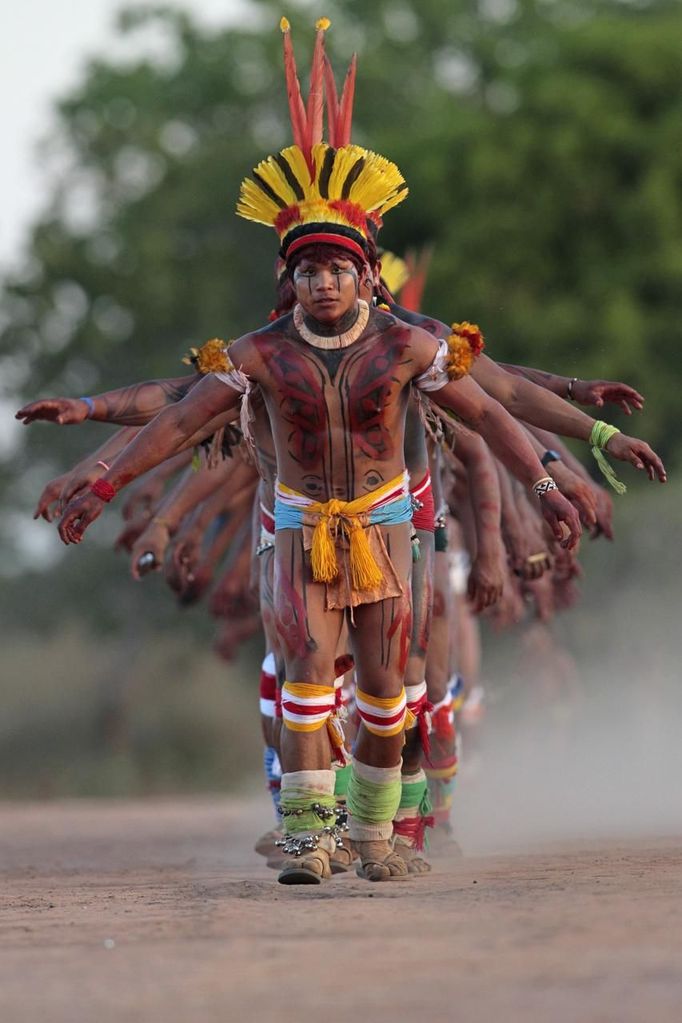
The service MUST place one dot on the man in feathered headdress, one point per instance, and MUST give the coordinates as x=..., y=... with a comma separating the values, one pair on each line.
x=335, y=375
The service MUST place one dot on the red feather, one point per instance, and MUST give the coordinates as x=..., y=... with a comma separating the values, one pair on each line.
x=332, y=104
x=346, y=106
x=413, y=290
x=297, y=112
x=316, y=94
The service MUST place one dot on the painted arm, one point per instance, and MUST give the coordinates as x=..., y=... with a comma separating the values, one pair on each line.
x=59, y=491
x=540, y=407
x=146, y=493
x=126, y=406
x=486, y=578
x=584, y=392
x=230, y=500
x=177, y=427
x=191, y=489
x=572, y=486
x=508, y=442
x=215, y=520
x=600, y=497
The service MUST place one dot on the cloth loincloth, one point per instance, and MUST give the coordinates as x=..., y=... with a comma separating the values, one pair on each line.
x=346, y=545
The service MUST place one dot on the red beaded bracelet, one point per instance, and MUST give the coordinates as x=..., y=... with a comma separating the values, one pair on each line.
x=103, y=490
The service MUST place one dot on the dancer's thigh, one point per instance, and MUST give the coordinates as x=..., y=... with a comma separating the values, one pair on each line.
x=308, y=634
x=422, y=603
x=438, y=659
x=382, y=633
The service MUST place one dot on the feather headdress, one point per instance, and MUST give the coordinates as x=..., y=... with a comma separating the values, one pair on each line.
x=315, y=191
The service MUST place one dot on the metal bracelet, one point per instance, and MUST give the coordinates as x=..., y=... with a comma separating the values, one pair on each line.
x=571, y=384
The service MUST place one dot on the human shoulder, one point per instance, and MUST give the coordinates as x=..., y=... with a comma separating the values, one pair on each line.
x=417, y=347
x=428, y=323
x=250, y=352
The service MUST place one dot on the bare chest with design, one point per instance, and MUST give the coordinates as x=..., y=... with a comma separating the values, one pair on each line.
x=338, y=416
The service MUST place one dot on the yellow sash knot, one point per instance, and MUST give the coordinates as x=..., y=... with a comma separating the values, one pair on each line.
x=343, y=516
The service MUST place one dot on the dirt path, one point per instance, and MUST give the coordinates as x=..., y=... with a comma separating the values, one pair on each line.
x=157, y=912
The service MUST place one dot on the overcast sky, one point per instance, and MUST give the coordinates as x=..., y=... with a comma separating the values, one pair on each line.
x=45, y=46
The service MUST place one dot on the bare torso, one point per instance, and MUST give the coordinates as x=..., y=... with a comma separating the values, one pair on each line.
x=337, y=417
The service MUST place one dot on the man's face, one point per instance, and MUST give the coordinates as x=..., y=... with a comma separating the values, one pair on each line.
x=326, y=290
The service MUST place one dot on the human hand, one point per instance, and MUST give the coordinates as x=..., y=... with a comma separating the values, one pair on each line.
x=63, y=411
x=184, y=558
x=49, y=497
x=145, y=495
x=486, y=580
x=604, y=505
x=561, y=517
x=78, y=481
x=527, y=549
x=78, y=515
x=541, y=593
x=639, y=454
x=577, y=490
x=602, y=392
x=153, y=539
x=509, y=609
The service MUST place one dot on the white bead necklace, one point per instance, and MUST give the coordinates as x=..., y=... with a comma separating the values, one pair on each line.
x=348, y=337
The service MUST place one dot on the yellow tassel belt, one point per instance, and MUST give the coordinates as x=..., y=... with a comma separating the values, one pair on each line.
x=389, y=505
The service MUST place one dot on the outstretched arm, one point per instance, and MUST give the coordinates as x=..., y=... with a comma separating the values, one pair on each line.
x=173, y=430
x=601, y=499
x=507, y=440
x=584, y=392
x=540, y=407
x=59, y=491
x=126, y=406
x=486, y=577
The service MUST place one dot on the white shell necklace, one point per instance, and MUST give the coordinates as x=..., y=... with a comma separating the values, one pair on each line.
x=348, y=337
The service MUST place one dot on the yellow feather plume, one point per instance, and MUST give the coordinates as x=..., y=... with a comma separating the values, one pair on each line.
x=394, y=271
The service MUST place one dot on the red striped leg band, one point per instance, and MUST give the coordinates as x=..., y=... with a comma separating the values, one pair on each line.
x=442, y=770
x=305, y=708
x=268, y=687
x=443, y=719
x=384, y=717
x=418, y=704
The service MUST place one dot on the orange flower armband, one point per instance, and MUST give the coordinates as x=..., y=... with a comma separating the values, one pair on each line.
x=212, y=357
x=465, y=344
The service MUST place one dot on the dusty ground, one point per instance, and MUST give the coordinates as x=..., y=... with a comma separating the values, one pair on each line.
x=157, y=911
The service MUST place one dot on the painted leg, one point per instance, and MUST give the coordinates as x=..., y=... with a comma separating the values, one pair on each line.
x=309, y=636
x=381, y=643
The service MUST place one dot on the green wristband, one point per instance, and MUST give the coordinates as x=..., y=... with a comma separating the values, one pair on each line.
x=600, y=435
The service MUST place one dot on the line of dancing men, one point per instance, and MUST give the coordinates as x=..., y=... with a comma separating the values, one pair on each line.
x=365, y=448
